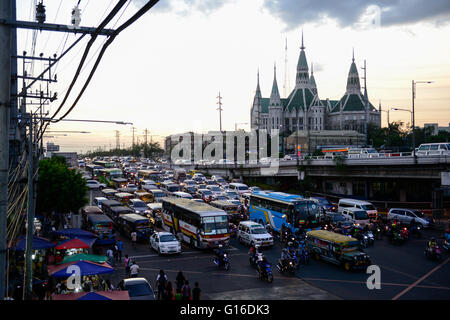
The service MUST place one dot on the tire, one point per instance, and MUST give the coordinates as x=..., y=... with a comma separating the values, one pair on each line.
x=270, y=278
x=159, y=251
x=316, y=256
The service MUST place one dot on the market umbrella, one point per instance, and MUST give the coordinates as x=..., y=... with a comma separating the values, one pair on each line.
x=37, y=244
x=73, y=244
x=87, y=268
x=95, y=295
x=74, y=232
x=84, y=257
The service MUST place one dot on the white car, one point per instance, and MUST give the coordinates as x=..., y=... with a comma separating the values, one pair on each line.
x=132, y=186
x=94, y=184
x=252, y=233
x=98, y=201
x=165, y=243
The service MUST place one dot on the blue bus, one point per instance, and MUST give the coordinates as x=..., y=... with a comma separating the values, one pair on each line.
x=276, y=208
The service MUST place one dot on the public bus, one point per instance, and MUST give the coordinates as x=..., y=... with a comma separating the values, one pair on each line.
x=107, y=176
x=198, y=224
x=104, y=164
x=93, y=169
x=148, y=175
x=102, y=226
x=129, y=223
x=278, y=208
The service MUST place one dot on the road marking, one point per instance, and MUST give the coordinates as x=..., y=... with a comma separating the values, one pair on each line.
x=182, y=253
x=383, y=283
x=420, y=280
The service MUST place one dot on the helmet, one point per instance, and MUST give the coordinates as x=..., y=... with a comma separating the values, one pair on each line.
x=285, y=250
x=289, y=243
x=220, y=246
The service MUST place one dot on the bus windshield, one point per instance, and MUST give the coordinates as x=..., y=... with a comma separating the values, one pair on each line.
x=215, y=225
x=141, y=224
x=305, y=209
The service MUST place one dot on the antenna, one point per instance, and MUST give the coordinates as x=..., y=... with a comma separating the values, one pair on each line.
x=220, y=110
x=286, y=84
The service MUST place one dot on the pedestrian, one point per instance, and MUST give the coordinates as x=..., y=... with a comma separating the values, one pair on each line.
x=169, y=294
x=133, y=239
x=127, y=263
x=116, y=251
x=186, y=291
x=196, y=292
x=179, y=280
x=134, y=270
x=119, y=249
x=110, y=255
x=161, y=281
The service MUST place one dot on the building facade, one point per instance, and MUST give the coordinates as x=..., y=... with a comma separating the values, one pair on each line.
x=304, y=110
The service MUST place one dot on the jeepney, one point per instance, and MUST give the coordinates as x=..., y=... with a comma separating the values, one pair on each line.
x=231, y=209
x=336, y=248
x=155, y=213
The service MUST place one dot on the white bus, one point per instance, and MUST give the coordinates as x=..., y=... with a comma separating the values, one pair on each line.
x=198, y=224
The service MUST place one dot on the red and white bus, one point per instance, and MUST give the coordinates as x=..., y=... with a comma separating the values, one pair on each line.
x=199, y=224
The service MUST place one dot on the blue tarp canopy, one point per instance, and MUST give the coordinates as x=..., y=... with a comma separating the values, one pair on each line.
x=93, y=296
x=38, y=243
x=86, y=268
x=76, y=233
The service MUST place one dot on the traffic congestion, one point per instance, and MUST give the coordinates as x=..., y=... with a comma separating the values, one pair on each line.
x=171, y=212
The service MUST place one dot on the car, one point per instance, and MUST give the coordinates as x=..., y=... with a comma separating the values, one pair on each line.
x=255, y=189
x=94, y=184
x=233, y=195
x=221, y=197
x=190, y=189
x=357, y=216
x=215, y=189
x=290, y=157
x=234, y=201
x=204, y=194
x=238, y=187
x=139, y=206
x=165, y=243
x=138, y=288
x=132, y=186
x=252, y=233
x=336, y=218
x=210, y=182
x=98, y=201
x=405, y=216
x=198, y=200
x=189, y=182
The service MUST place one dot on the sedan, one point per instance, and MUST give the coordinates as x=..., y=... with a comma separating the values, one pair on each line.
x=94, y=184
x=132, y=186
x=165, y=243
x=232, y=195
x=138, y=289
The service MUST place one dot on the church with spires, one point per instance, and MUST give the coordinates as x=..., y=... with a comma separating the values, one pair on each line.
x=304, y=106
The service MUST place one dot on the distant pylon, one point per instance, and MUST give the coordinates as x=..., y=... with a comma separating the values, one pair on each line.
x=286, y=84
x=220, y=110
x=117, y=139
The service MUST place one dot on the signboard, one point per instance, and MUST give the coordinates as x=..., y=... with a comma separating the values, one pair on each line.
x=445, y=178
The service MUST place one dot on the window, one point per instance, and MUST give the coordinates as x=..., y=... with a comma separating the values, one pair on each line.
x=434, y=147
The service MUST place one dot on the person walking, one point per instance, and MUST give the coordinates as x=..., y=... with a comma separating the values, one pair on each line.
x=169, y=294
x=186, y=291
x=133, y=239
x=134, y=270
x=110, y=255
x=196, y=292
x=127, y=263
x=161, y=282
x=179, y=281
x=119, y=249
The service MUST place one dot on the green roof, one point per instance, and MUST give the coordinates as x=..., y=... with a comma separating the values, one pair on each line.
x=355, y=102
x=353, y=68
x=302, y=60
x=299, y=98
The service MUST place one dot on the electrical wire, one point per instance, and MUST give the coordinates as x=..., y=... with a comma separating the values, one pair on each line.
x=130, y=21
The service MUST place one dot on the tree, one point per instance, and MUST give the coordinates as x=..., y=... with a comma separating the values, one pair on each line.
x=59, y=189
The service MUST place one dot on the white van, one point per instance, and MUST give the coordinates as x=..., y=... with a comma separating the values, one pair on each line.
x=253, y=233
x=356, y=215
x=239, y=187
x=183, y=195
x=358, y=204
x=429, y=149
x=362, y=153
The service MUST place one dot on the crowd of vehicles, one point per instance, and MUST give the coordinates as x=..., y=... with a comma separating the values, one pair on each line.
x=166, y=208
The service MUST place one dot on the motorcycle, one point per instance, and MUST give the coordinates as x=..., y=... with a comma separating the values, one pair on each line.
x=446, y=245
x=225, y=263
x=265, y=273
x=288, y=267
x=368, y=238
x=378, y=233
x=415, y=230
x=433, y=253
x=253, y=259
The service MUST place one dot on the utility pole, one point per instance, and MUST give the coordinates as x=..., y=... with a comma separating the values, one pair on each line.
x=133, y=129
x=145, y=146
x=286, y=85
x=5, y=87
x=117, y=139
x=220, y=110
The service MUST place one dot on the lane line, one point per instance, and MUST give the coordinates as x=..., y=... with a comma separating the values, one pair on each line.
x=182, y=253
x=420, y=280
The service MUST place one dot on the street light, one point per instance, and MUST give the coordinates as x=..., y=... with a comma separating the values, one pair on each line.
x=413, y=118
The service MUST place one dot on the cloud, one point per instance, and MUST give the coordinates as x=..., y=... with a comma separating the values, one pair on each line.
x=183, y=7
x=351, y=12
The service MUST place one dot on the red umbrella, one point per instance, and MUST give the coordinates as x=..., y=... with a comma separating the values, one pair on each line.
x=73, y=244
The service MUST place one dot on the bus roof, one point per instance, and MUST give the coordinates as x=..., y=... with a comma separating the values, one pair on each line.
x=96, y=218
x=92, y=209
x=202, y=209
x=123, y=194
x=223, y=203
x=132, y=217
x=110, y=170
x=278, y=196
x=111, y=203
x=118, y=209
x=330, y=236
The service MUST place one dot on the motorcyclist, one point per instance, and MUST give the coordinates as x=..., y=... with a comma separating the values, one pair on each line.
x=432, y=243
x=261, y=265
x=253, y=252
x=220, y=252
x=285, y=257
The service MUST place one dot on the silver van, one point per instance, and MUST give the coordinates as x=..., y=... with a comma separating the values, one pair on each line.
x=405, y=216
x=359, y=204
x=356, y=215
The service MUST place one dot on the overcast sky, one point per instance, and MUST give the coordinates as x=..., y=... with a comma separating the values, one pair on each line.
x=165, y=71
